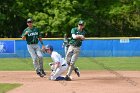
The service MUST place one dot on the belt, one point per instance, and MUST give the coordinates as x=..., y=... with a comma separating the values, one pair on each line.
x=64, y=65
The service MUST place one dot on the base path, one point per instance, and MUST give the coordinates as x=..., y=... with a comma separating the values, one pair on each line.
x=89, y=82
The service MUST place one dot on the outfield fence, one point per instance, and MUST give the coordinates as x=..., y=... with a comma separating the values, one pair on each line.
x=91, y=47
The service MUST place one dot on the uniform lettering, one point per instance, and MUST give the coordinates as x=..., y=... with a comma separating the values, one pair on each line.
x=33, y=33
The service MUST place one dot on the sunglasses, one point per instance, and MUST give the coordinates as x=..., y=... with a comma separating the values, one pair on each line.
x=81, y=25
x=29, y=22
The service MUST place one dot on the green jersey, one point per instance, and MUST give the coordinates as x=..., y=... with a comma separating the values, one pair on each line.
x=32, y=36
x=76, y=42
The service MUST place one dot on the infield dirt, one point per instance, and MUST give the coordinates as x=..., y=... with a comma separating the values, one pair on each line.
x=89, y=82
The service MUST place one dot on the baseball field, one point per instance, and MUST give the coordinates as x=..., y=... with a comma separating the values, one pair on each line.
x=98, y=75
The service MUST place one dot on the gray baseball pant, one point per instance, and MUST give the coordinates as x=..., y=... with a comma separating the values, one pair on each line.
x=71, y=57
x=36, y=54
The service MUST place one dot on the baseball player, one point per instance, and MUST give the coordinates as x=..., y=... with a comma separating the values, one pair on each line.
x=32, y=36
x=58, y=66
x=77, y=36
x=65, y=43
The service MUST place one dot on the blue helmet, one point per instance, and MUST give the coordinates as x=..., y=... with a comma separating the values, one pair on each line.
x=49, y=47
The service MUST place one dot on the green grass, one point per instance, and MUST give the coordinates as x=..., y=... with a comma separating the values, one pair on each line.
x=84, y=63
x=19, y=64
x=114, y=63
x=4, y=87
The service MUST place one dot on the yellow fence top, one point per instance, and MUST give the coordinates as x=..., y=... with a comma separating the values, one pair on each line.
x=86, y=38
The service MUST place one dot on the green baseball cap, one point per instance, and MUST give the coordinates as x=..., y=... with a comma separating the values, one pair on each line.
x=29, y=20
x=81, y=22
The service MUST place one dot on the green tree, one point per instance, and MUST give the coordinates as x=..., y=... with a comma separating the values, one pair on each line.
x=104, y=18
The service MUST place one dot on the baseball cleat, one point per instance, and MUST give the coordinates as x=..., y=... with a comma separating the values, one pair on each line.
x=67, y=78
x=41, y=75
x=43, y=72
x=77, y=71
x=60, y=78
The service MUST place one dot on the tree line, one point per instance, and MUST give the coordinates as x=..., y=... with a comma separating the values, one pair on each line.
x=54, y=18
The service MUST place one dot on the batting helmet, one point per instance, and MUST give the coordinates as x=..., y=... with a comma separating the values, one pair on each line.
x=49, y=47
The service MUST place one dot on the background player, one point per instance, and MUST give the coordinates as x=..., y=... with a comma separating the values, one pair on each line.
x=77, y=36
x=32, y=36
x=59, y=65
x=65, y=43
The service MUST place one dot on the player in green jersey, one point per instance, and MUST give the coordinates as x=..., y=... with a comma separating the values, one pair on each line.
x=65, y=44
x=32, y=37
x=77, y=36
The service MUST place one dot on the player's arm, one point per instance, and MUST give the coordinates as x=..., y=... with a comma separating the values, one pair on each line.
x=41, y=41
x=78, y=37
x=56, y=61
x=24, y=35
x=57, y=64
x=74, y=36
x=54, y=66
